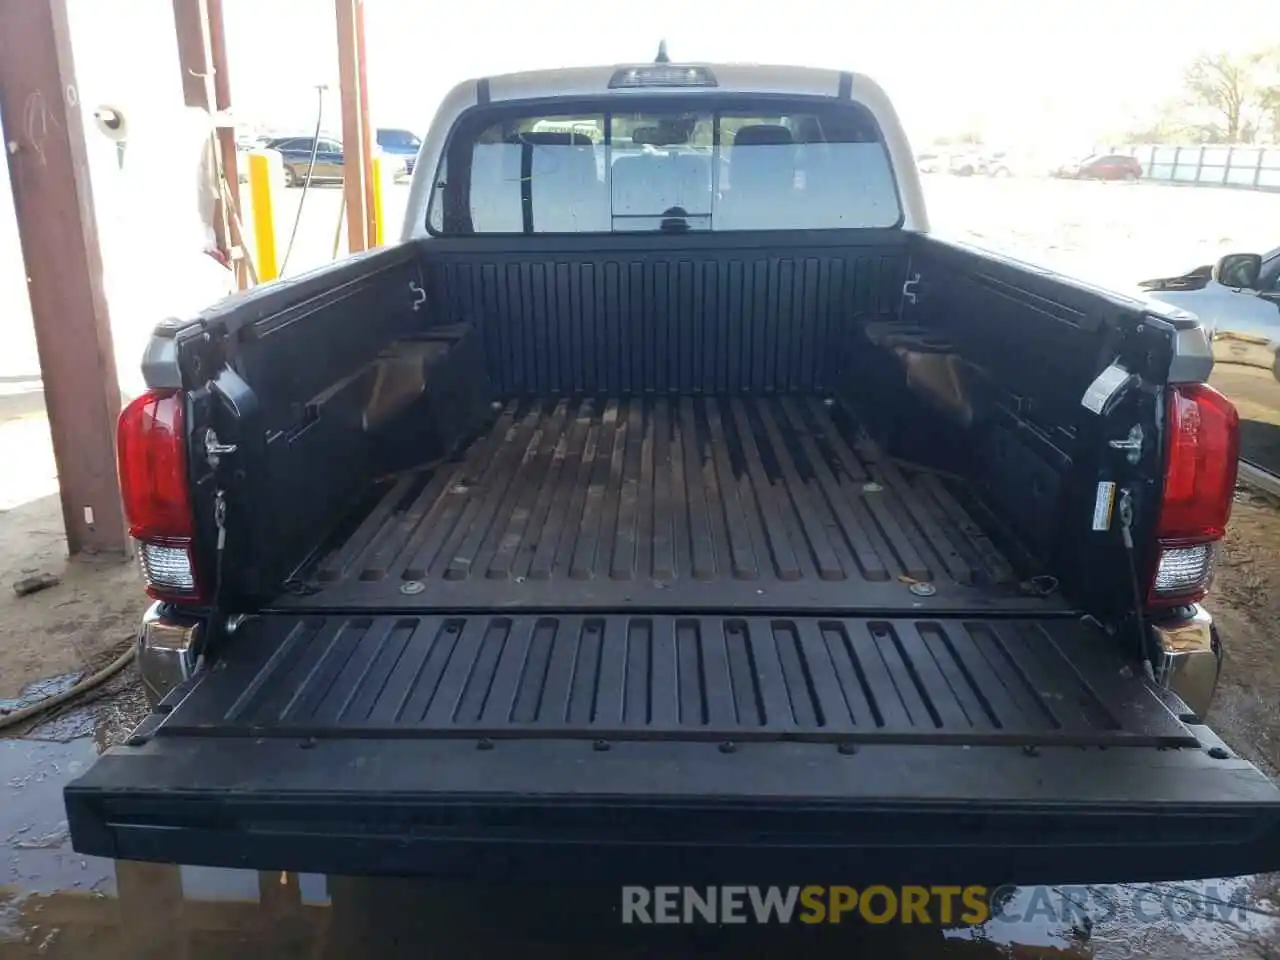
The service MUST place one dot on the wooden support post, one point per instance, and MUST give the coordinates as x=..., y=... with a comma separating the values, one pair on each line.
x=227, y=138
x=366, y=133
x=206, y=84
x=191, y=24
x=49, y=170
x=356, y=148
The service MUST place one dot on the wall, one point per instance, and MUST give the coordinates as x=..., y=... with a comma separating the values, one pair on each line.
x=1250, y=167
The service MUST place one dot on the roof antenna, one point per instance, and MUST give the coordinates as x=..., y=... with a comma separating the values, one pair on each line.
x=662, y=53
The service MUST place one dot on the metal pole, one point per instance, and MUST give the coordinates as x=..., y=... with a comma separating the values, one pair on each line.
x=337, y=233
x=355, y=146
x=49, y=169
x=266, y=174
x=379, y=216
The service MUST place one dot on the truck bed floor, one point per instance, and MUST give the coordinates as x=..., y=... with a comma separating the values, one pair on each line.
x=655, y=677
x=668, y=504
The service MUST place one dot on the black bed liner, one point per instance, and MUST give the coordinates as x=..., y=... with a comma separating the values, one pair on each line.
x=686, y=503
x=643, y=748
x=677, y=678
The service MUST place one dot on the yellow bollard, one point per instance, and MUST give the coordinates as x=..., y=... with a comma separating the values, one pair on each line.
x=266, y=175
x=379, y=224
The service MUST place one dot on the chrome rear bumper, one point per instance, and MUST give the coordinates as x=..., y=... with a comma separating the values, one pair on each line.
x=1187, y=657
x=167, y=645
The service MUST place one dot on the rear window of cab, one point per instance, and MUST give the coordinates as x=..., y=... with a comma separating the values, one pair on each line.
x=675, y=166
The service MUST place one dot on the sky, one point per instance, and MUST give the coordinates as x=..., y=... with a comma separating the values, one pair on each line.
x=1011, y=68
x=1063, y=71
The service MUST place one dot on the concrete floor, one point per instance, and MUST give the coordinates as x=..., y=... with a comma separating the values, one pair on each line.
x=54, y=903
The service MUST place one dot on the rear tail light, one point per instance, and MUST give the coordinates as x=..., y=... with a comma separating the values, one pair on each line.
x=169, y=570
x=152, y=455
x=1183, y=569
x=1199, y=486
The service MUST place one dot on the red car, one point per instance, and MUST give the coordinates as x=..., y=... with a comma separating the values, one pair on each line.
x=1102, y=166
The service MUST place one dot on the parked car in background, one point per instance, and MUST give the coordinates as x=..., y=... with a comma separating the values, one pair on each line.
x=964, y=164
x=998, y=163
x=244, y=146
x=971, y=163
x=929, y=162
x=1101, y=166
x=1238, y=301
x=249, y=141
x=296, y=153
x=400, y=145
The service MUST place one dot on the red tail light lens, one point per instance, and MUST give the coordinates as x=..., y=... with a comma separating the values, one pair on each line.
x=1199, y=488
x=1200, y=471
x=152, y=453
x=152, y=456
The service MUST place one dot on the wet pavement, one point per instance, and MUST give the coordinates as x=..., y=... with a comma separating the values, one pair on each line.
x=55, y=903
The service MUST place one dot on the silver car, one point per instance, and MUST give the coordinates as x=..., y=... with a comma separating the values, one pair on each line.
x=1238, y=301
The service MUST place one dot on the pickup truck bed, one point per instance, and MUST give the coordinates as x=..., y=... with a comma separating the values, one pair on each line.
x=530, y=554
x=686, y=503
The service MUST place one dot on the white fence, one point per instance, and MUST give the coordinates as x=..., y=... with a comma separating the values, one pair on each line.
x=1256, y=168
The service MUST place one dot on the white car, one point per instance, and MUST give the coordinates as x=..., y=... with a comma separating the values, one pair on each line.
x=929, y=162
x=972, y=163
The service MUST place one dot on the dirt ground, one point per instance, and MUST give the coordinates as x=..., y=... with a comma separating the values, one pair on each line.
x=92, y=612
x=1245, y=602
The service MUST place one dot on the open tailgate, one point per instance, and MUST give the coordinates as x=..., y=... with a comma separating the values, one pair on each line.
x=651, y=747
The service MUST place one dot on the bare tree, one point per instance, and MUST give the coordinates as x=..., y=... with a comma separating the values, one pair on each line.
x=1267, y=64
x=1271, y=105
x=1222, y=84
x=1233, y=98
